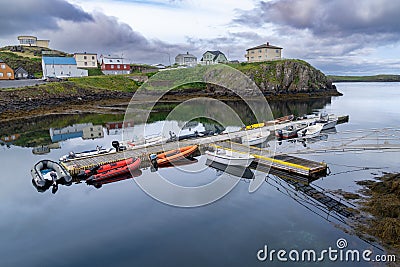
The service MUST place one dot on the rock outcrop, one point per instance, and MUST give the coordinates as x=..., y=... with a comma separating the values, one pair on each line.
x=286, y=77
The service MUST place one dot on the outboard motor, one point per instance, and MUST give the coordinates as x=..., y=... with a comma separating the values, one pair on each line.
x=53, y=176
x=172, y=136
x=115, y=144
x=280, y=134
x=71, y=155
x=153, y=161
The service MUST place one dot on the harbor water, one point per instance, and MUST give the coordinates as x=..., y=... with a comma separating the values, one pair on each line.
x=120, y=225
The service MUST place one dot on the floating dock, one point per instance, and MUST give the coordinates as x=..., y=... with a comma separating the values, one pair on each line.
x=264, y=158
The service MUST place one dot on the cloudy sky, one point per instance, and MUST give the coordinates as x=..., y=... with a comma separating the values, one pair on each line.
x=337, y=36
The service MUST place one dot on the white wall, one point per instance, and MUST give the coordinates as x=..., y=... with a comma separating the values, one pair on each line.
x=62, y=71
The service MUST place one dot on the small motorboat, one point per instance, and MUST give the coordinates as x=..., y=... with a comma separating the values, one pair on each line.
x=172, y=156
x=90, y=153
x=47, y=172
x=281, y=120
x=254, y=126
x=111, y=170
x=228, y=157
x=327, y=121
x=41, y=150
x=311, y=131
x=255, y=138
x=151, y=141
x=290, y=131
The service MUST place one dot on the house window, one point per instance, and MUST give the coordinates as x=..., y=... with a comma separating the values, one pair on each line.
x=92, y=57
x=112, y=66
x=277, y=50
x=84, y=57
x=259, y=57
x=252, y=52
x=124, y=66
x=93, y=64
x=85, y=63
x=118, y=66
x=259, y=51
x=118, y=60
x=3, y=66
x=8, y=74
x=1, y=74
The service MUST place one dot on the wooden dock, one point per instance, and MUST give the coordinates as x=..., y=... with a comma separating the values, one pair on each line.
x=264, y=157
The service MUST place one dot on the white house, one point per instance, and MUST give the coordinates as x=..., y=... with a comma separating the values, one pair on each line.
x=186, y=60
x=213, y=57
x=61, y=67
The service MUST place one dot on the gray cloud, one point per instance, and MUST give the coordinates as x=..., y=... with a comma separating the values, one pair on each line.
x=25, y=16
x=107, y=35
x=325, y=17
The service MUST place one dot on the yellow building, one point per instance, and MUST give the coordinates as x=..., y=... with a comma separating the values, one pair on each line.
x=264, y=52
x=86, y=60
x=27, y=40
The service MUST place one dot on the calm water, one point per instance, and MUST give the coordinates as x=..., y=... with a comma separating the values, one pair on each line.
x=119, y=225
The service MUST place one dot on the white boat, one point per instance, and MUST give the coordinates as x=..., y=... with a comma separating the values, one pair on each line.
x=290, y=131
x=151, y=141
x=255, y=138
x=228, y=157
x=311, y=131
x=90, y=153
x=328, y=121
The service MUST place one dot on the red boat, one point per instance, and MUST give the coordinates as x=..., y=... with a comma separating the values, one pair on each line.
x=111, y=170
x=174, y=155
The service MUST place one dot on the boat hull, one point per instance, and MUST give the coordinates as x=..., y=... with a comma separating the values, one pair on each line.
x=116, y=170
x=230, y=158
x=175, y=155
x=58, y=173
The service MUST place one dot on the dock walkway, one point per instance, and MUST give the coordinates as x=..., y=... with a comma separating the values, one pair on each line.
x=264, y=157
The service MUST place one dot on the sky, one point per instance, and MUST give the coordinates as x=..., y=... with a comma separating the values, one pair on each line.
x=339, y=37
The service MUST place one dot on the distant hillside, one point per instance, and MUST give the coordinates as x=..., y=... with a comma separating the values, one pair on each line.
x=374, y=78
x=30, y=58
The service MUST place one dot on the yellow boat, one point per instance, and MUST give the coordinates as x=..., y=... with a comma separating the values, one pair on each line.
x=254, y=126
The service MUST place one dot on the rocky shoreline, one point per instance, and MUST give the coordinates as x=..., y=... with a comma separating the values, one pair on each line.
x=32, y=102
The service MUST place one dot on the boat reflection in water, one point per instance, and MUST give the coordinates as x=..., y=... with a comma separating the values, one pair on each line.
x=99, y=184
x=48, y=184
x=237, y=171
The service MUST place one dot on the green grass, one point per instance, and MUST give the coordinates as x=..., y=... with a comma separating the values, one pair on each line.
x=373, y=78
x=107, y=82
x=31, y=65
x=94, y=72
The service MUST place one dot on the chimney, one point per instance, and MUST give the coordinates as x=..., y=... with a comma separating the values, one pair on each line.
x=187, y=53
x=267, y=43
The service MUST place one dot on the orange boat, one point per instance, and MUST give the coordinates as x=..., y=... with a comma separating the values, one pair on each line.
x=174, y=155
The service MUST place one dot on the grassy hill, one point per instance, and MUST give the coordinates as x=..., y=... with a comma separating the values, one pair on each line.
x=374, y=78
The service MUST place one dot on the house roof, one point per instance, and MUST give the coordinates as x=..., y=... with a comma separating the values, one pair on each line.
x=186, y=55
x=113, y=60
x=59, y=60
x=86, y=53
x=216, y=53
x=20, y=69
x=267, y=45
